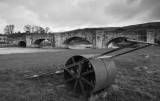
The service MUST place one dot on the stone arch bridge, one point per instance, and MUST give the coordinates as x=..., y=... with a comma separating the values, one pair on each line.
x=29, y=39
x=98, y=38
x=101, y=38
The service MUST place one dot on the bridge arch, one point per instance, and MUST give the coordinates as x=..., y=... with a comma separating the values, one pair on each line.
x=81, y=40
x=116, y=42
x=41, y=42
x=38, y=41
x=22, y=43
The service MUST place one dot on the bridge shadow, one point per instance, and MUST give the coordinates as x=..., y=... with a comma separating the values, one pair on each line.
x=22, y=44
x=41, y=43
x=118, y=42
x=77, y=42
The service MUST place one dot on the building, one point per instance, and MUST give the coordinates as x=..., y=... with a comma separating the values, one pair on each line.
x=3, y=40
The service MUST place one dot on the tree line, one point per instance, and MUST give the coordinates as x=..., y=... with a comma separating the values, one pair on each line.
x=9, y=29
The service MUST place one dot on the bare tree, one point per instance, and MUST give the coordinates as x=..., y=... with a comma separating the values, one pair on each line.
x=28, y=28
x=32, y=29
x=9, y=29
x=46, y=29
x=36, y=29
x=41, y=29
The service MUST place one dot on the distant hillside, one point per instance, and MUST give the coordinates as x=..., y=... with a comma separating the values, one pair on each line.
x=90, y=29
x=133, y=27
x=144, y=25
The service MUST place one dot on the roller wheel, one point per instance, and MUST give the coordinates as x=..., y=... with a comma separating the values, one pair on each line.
x=79, y=75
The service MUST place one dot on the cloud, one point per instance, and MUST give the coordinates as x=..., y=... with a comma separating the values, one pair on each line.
x=62, y=15
x=137, y=11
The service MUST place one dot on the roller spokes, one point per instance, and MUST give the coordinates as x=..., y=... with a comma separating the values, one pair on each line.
x=87, y=82
x=87, y=72
x=79, y=75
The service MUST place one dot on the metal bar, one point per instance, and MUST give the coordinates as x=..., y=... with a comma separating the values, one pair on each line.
x=133, y=42
x=136, y=41
x=111, y=51
x=131, y=50
x=87, y=82
x=75, y=86
x=105, y=53
x=82, y=88
x=87, y=72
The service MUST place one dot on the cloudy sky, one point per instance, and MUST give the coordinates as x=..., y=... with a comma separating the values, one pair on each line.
x=61, y=15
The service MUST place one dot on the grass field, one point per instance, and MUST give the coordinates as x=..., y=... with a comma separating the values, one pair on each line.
x=138, y=76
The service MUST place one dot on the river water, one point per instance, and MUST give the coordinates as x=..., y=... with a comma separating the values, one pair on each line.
x=15, y=50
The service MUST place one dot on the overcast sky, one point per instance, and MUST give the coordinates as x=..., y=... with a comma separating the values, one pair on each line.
x=61, y=15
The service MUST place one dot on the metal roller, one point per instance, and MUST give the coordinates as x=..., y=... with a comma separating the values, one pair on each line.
x=84, y=76
x=87, y=74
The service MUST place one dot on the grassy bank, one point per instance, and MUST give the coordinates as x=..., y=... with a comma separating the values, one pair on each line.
x=137, y=77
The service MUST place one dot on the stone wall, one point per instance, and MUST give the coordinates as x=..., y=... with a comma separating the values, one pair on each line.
x=61, y=38
x=32, y=38
x=103, y=36
x=100, y=38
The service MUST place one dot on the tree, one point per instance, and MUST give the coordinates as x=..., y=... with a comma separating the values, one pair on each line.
x=9, y=29
x=46, y=29
x=28, y=28
x=32, y=29
x=41, y=29
x=38, y=29
x=35, y=29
